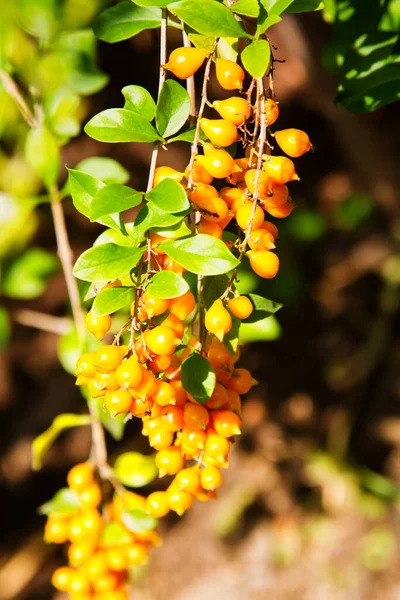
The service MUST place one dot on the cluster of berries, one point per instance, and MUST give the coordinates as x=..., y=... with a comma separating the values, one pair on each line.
x=97, y=566
x=217, y=208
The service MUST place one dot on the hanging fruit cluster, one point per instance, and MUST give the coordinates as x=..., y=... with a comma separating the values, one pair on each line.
x=176, y=369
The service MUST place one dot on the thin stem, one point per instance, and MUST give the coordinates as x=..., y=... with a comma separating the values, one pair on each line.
x=12, y=90
x=65, y=253
x=190, y=82
x=42, y=321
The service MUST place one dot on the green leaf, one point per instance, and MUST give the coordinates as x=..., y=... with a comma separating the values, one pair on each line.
x=116, y=237
x=201, y=41
x=174, y=232
x=26, y=277
x=208, y=17
x=169, y=196
x=263, y=330
x=151, y=216
x=69, y=348
x=248, y=8
x=161, y=3
x=167, y=284
x=173, y=108
x=198, y=378
x=65, y=501
x=5, y=328
x=43, y=155
x=138, y=521
x=106, y=169
x=275, y=7
x=125, y=20
x=134, y=469
x=256, y=58
x=299, y=6
x=110, y=300
x=201, y=254
x=262, y=308
x=113, y=198
x=106, y=262
x=120, y=125
x=83, y=188
x=114, y=425
x=228, y=48
x=140, y=101
x=265, y=20
x=187, y=136
x=43, y=442
x=114, y=535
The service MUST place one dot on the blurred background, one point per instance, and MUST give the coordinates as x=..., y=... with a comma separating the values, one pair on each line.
x=310, y=506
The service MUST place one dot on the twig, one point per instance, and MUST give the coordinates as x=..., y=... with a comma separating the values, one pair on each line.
x=42, y=321
x=65, y=253
x=12, y=90
x=190, y=82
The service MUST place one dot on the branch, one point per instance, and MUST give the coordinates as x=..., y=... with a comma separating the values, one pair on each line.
x=42, y=321
x=12, y=90
x=190, y=82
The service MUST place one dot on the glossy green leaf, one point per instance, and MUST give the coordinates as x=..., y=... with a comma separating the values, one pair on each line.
x=114, y=535
x=208, y=17
x=121, y=125
x=173, y=232
x=265, y=19
x=116, y=237
x=248, y=8
x=173, y=108
x=167, y=284
x=134, y=469
x=187, y=136
x=256, y=58
x=228, y=48
x=137, y=521
x=106, y=169
x=83, y=188
x=169, y=196
x=160, y=3
x=125, y=20
x=151, y=216
x=110, y=300
x=275, y=7
x=202, y=41
x=5, y=328
x=114, y=425
x=140, y=101
x=201, y=254
x=65, y=501
x=198, y=378
x=299, y=6
x=106, y=262
x=43, y=155
x=262, y=308
x=43, y=442
x=263, y=330
x=113, y=198
x=27, y=275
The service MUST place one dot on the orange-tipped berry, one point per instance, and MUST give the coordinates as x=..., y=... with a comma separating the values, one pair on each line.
x=219, y=132
x=218, y=320
x=264, y=263
x=235, y=109
x=294, y=142
x=226, y=423
x=184, y=62
x=229, y=74
x=241, y=307
x=98, y=326
x=279, y=169
x=161, y=340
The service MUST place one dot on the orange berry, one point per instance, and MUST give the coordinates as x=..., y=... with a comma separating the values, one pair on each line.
x=182, y=306
x=271, y=227
x=156, y=240
x=294, y=142
x=157, y=504
x=117, y=559
x=160, y=438
x=96, y=389
x=171, y=265
x=264, y=263
x=162, y=173
x=105, y=583
x=188, y=480
x=235, y=109
x=108, y=358
x=230, y=194
x=218, y=398
x=140, y=408
x=241, y=307
x=79, y=583
x=226, y=423
x=154, y=306
x=280, y=212
x=242, y=381
x=129, y=373
x=90, y=497
x=80, y=476
x=118, y=402
x=279, y=169
x=195, y=438
x=85, y=365
x=56, y=530
x=61, y=578
x=271, y=111
x=147, y=387
x=107, y=381
x=238, y=203
x=184, y=62
x=218, y=320
x=199, y=173
x=244, y=216
x=80, y=552
x=98, y=326
x=172, y=417
x=165, y=393
x=208, y=461
x=179, y=501
x=210, y=228
x=161, y=340
x=229, y=74
x=264, y=183
x=260, y=239
x=169, y=461
x=214, y=210
x=195, y=416
x=277, y=196
x=132, y=501
x=219, y=131
x=203, y=191
x=137, y=554
x=234, y=402
x=217, y=447
x=217, y=162
x=158, y=364
x=210, y=478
